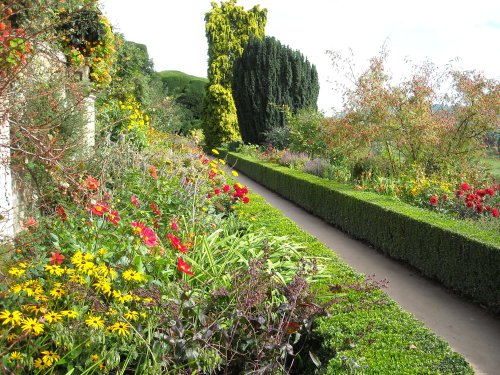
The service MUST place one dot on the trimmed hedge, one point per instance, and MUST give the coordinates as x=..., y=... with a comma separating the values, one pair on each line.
x=463, y=258
x=366, y=332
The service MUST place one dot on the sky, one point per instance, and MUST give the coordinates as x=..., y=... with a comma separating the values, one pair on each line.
x=441, y=31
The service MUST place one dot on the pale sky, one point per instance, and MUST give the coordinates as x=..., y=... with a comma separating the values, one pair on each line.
x=438, y=30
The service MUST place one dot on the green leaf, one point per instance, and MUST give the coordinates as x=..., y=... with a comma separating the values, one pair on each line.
x=315, y=359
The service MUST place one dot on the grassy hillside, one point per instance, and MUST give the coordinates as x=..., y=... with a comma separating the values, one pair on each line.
x=178, y=82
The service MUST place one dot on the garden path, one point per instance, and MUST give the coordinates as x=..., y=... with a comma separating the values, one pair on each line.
x=469, y=329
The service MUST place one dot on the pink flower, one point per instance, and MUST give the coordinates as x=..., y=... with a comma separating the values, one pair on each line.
x=31, y=222
x=246, y=200
x=217, y=191
x=226, y=188
x=149, y=237
x=134, y=200
x=174, y=226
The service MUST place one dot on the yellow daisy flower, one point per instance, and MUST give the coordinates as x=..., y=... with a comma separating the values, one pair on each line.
x=234, y=173
x=53, y=317
x=14, y=317
x=214, y=151
x=15, y=356
x=50, y=358
x=122, y=329
x=95, y=322
x=72, y=314
x=31, y=324
x=131, y=315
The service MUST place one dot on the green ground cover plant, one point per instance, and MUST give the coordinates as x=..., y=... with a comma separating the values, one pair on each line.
x=365, y=332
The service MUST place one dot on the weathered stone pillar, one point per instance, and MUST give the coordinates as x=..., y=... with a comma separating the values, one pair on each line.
x=6, y=194
x=90, y=124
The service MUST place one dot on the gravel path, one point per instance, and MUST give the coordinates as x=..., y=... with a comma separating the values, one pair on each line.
x=468, y=328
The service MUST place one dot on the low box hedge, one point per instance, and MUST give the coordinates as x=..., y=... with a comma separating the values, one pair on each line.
x=366, y=332
x=463, y=258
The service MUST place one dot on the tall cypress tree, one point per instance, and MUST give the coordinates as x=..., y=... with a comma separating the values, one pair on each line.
x=228, y=29
x=266, y=78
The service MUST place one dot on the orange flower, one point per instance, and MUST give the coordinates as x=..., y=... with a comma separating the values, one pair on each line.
x=153, y=172
x=92, y=183
x=31, y=222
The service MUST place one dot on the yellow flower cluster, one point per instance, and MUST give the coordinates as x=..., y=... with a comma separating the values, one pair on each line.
x=47, y=302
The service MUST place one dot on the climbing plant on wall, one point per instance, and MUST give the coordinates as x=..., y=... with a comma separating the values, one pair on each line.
x=228, y=29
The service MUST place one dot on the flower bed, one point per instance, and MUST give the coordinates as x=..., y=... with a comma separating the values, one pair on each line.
x=464, y=258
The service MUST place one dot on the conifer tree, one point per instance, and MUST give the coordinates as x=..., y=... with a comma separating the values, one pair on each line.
x=228, y=29
x=267, y=79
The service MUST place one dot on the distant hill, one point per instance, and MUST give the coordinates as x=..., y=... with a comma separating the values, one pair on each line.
x=175, y=82
x=188, y=91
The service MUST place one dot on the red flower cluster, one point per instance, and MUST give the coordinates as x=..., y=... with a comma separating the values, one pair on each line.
x=240, y=193
x=476, y=199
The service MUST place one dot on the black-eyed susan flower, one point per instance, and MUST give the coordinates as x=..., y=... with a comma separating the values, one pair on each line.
x=131, y=275
x=49, y=358
x=32, y=325
x=54, y=269
x=95, y=322
x=18, y=272
x=131, y=315
x=40, y=364
x=14, y=317
x=120, y=328
x=53, y=317
x=72, y=314
x=15, y=356
x=57, y=292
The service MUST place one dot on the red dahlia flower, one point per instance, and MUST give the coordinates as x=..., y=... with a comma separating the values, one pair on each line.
x=433, y=200
x=184, y=267
x=62, y=213
x=465, y=186
x=113, y=217
x=176, y=243
x=99, y=209
x=494, y=212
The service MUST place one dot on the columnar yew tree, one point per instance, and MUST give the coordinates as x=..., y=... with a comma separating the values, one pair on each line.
x=228, y=28
x=269, y=78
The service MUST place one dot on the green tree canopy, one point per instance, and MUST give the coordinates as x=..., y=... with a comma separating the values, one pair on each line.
x=228, y=29
x=269, y=79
